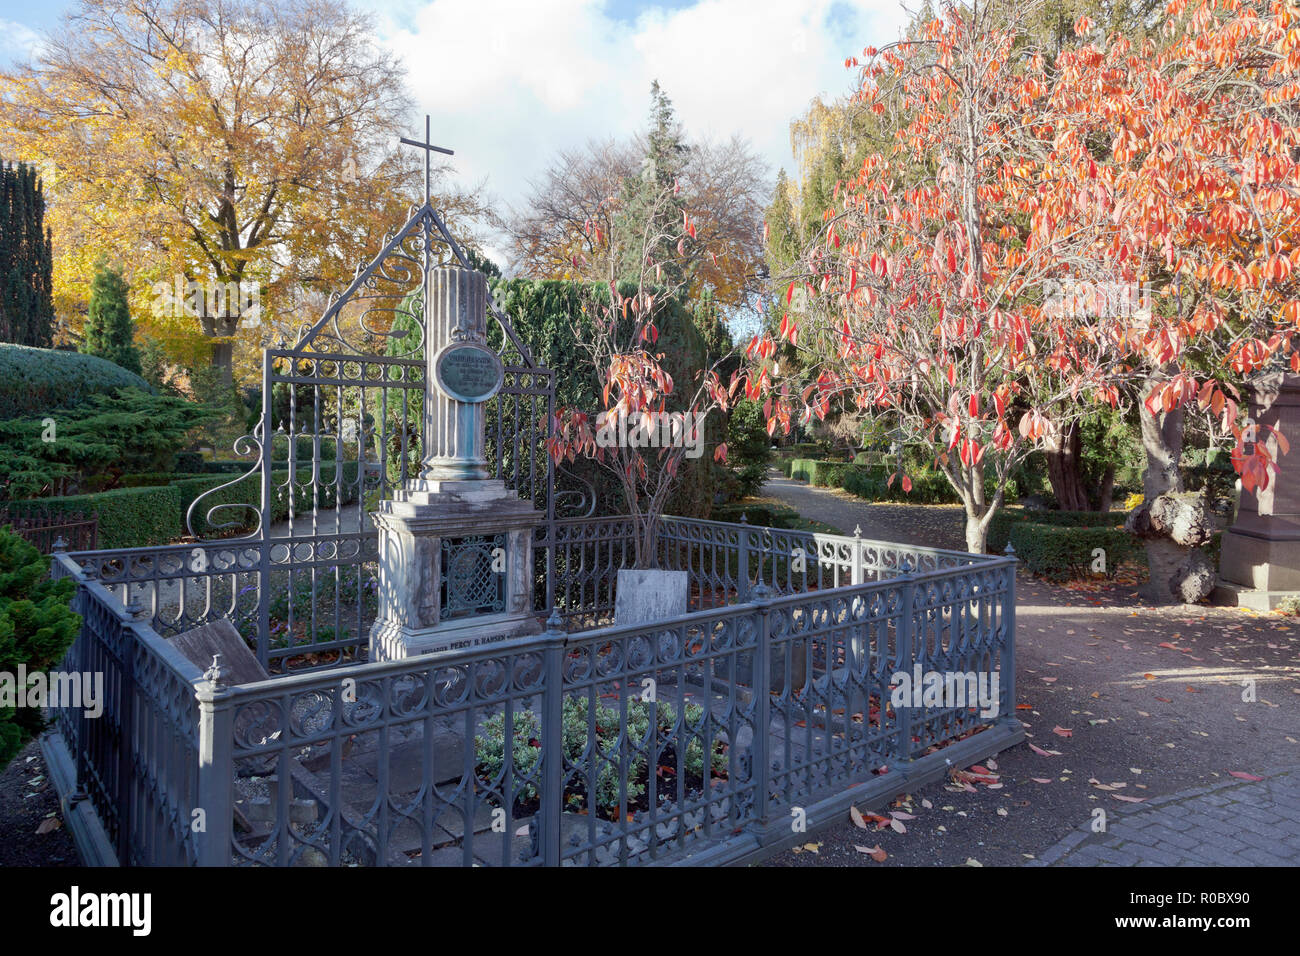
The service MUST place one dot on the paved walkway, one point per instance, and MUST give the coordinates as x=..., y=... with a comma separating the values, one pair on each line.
x=1234, y=823
x=1135, y=710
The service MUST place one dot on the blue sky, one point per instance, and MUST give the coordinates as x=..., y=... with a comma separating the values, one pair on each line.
x=544, y=75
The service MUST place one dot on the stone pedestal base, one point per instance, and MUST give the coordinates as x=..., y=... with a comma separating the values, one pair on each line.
x=1262, y=561
x=412, y=529
x=1258, y=571
x=390, y=641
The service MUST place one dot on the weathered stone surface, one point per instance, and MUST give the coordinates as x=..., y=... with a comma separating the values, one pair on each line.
x=405, y=762
x=1260, y=556
x=220, y=637
x=649, y=595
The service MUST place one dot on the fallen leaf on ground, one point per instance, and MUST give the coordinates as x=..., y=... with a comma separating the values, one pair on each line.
x=875, y=852
x=48, y=826
x=1063, y=731
x=1242, y=775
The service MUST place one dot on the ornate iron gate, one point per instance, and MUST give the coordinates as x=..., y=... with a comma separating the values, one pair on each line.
x=340, y=430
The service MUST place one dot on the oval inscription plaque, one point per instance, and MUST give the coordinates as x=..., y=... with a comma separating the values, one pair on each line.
x=468, y=372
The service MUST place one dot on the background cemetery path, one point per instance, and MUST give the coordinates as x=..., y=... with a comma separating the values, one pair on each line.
x=1089, y=662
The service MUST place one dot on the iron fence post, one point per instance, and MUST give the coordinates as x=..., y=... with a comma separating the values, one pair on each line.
x=906, y=654
x=126, y=742
x=855, y=567
x=742, y=561
x=760, y=758
x=83, y=665
x=216, y=767
x=1008, y=656
x=552, y=803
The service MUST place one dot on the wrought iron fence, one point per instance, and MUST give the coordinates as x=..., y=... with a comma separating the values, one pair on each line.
x=136, y=751
x=74, y=532
x=618, y=745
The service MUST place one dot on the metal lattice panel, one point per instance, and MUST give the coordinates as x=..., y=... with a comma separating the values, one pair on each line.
x=472, y=580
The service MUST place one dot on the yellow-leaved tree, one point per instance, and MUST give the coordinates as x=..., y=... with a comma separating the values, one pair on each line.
x=236, y=158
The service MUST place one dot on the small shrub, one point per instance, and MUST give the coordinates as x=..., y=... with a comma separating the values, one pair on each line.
x=36, y=628
x=576, y=718
x=749, y=449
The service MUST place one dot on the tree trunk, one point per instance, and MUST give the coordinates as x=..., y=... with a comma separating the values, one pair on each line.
x=1107, y=489
x=1173, y=524
x=977, y=534
x=1064, y=470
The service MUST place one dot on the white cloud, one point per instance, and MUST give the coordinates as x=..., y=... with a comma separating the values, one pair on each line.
x=17, y=42
x=509, y=83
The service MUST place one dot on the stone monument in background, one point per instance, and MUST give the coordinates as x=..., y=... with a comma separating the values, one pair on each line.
x=1259, y=562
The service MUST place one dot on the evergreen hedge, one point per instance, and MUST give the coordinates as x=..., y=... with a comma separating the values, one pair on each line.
x=128, y=517
x=153, y=513
x=1007, y=518
x=1060, y=552
x=35, y=382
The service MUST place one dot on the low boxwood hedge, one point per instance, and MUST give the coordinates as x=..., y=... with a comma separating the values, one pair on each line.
x=153, y=512
x=821, y=472
x=1061, y=552
x=1006, y=518
x=759, y=515
x=248, y=489
x=128, y=517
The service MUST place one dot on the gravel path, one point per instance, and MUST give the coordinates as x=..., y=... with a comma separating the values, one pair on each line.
x=1117, y=716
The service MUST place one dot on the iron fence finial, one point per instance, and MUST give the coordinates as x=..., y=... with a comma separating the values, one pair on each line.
x=216, y=674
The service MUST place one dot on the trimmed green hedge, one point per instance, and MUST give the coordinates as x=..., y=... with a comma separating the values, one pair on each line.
x=128, y=517
x=759, y=515
x=35, y=382
x=819, y=471
x=154, y=513
x=1064, y=552
x=248, y=489
x=224, y=467
x=1007, y=518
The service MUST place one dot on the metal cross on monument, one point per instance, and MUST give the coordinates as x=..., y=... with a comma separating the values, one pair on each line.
x=429, y=149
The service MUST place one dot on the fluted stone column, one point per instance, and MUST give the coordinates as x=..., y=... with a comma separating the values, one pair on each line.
x=453, y=498
x=455, y=313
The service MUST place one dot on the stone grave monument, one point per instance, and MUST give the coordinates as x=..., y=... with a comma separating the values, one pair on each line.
x=455, y=545
x=1259, y=562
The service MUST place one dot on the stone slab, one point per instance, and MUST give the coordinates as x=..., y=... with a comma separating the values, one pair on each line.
x=220, y=637
x=647, y=596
